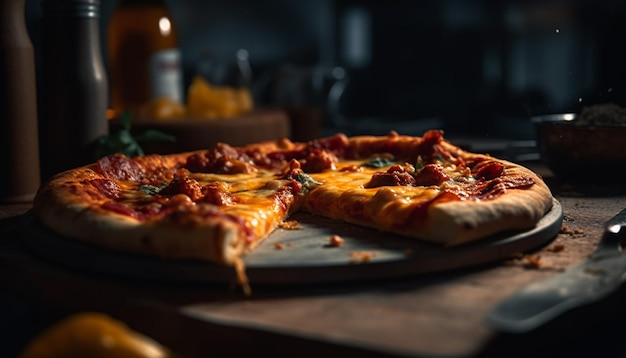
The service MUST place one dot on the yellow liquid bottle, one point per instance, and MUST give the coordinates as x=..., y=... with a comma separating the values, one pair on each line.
x=144, y=59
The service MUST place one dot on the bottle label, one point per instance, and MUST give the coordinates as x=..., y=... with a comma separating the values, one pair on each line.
x=166, y=75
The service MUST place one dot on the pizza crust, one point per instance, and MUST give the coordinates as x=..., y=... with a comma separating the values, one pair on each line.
x=454, y=223
x=70, y=215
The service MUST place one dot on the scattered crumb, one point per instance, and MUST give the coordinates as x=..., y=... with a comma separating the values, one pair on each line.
x=279, y=246
x=290, y=225
x=565, y=230
x=335, y=241
x=558, y=247
x=362, y=256
x=532, y=261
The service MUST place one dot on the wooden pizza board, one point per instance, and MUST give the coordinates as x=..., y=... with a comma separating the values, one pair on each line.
x=303, y=255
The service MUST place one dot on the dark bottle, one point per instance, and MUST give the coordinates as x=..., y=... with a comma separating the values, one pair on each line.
x=75, y=85
x=19, y=142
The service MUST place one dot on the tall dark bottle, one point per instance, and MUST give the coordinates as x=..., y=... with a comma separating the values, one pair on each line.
x=19, y=142
x=75, y=84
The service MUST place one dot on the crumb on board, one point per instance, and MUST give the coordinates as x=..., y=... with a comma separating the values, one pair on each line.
x=279, y=245
x=362, y=256
x=565, y=230
x=335, y=241
x=290, y=225
x=557, y=247
x=532, y=261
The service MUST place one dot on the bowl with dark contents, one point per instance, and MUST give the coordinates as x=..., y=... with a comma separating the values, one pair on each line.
x=589, y=146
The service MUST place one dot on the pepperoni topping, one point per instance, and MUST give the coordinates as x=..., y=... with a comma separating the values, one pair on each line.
x=222, y=159
x=119, y=167
x=318, y=160
x=107, y=187
x=489, y=189
x=316, y=156
x=217, y=194
x=336, y=144
x=489, y=170
x=396, y=175
x=184, y=185
x=431, y=174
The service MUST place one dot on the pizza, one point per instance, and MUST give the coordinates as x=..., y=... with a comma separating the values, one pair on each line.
x=217, y=204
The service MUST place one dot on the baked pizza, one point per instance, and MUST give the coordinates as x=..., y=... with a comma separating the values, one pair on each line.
x=218, y=204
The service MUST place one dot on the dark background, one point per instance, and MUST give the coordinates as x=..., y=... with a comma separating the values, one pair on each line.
x=479, y=68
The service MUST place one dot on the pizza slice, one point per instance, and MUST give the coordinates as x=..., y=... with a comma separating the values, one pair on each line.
x=156, y=206
x=428, y=189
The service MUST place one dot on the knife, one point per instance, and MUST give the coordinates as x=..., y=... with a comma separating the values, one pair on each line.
x=536, y=304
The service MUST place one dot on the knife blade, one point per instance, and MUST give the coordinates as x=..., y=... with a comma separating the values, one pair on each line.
x=538, y=303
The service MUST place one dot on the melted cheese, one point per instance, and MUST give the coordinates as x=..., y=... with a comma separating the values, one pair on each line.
x=237, y=182
x=343, y=195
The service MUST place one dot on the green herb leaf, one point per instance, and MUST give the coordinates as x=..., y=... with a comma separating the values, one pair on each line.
x=306, y=180
x=123, y=141
x=153, y=135
x=378, y=162
x=151, y=189
x=126, y=120
x=420, y=163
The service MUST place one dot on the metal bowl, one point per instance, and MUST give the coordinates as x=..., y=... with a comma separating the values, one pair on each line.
x=581, y=153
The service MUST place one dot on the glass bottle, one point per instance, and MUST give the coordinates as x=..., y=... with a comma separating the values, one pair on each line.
x=75, y=84
x=19, y=142
x=144, y=58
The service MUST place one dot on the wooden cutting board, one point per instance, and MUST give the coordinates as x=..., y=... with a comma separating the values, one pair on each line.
x=263, y=124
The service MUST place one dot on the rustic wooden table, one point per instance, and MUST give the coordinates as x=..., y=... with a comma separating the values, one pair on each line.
x=440, y=314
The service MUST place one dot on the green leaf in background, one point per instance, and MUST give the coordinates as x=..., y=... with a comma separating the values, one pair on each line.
x=153, y=135
x=123, y=141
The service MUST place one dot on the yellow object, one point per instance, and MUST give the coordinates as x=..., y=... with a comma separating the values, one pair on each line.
x=144, y=55
x=160, y=109
x=93, y=335
x=207, y=101
x=203, y=101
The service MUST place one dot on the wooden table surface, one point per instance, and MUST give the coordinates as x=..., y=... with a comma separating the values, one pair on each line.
x=439, y=314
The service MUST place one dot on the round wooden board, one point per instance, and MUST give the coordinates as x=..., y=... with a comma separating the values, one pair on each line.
x=303, y=255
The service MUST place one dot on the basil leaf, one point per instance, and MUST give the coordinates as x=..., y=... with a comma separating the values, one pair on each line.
x=151, y=189
x=126, y=119
x=378, y=162
x=306, y=180
x=153, y=135
x=124, y=142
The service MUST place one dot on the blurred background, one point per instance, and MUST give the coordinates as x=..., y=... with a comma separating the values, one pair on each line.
x=473, y=68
